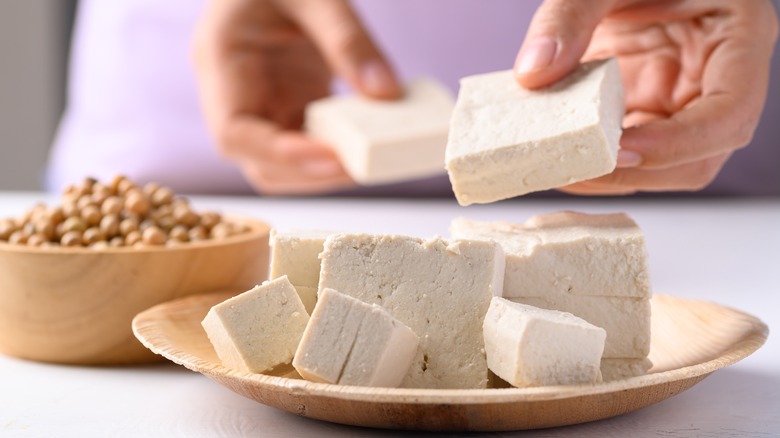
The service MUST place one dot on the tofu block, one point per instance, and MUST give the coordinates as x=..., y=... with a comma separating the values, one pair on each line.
x=568, y=253
x=296, y=254
x=258, y=329
x=528, y=346
x=507, y=141
x=350, y=342
x=440, y=289
x=385, y=141
x=308, y=296
x=616, y=369
x=626, y=320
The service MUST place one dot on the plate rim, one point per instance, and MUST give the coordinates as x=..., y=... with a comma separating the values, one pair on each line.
x=746, y=346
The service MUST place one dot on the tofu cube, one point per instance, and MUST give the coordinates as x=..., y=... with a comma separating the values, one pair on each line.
x=507, y=141
x=258, y=329
x=296, y=254
x=568, y=253
x=626, y=320
x=593, y=266
x=350, y=342
x=617, y=369
x=385, y=141
x=440, y=289
x=527, y=346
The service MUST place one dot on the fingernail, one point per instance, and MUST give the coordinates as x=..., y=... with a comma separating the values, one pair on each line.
x=321, y=168
x=626, y=158
x=536, y=54
x=377, y=79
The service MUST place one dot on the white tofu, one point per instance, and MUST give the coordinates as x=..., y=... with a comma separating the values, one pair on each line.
x=616, y=369
x=296, y=254
x=440, y=289
x=527, y=346
x=350, y=342
x=308, y=296
x=258, y=329
x=568, y=253
x=594, y=266
x=384, y=141
x=626, y=320
x=507, y=141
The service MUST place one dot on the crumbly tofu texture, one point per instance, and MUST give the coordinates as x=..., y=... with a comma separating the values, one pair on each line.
x=384, y=141
x=440, y=289
x=528, y=346
x=507, y=141
x=308, y=296
x=617, y=369
x=350, y=342
x=258, y=329
x=594, y=266
x=626, y=320
x=568, y=253
x=296, y=254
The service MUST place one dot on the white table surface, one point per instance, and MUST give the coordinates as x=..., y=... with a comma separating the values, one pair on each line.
x=727, y=251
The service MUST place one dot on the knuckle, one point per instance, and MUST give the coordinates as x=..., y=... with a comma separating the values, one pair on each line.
x=227, y=137
x=704, y=175
x=347, y=38
x=260, y=181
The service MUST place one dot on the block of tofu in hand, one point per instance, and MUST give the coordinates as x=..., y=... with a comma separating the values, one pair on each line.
x=528, y=346
x=385, y=141
x=258, y=329
x=296, y=254
x=440, y=289
x=350, y=342
x=507, y=141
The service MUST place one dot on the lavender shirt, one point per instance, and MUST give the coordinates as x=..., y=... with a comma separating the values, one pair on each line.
x=133, y=106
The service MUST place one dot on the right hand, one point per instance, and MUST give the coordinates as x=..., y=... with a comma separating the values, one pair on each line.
x=259, y=62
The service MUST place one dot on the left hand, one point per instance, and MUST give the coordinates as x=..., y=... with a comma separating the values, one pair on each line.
x=695, y=72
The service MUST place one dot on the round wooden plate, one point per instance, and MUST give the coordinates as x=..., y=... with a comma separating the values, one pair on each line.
x=690, y=340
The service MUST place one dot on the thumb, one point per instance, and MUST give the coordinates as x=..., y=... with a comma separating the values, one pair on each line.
x=557, y=37
x=346, y=45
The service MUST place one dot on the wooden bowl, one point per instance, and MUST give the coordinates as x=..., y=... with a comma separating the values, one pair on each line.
x=690, y=340
x=76, y=305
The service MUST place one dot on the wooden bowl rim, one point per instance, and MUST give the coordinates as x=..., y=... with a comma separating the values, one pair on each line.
x=737, y=351
x=257, y=229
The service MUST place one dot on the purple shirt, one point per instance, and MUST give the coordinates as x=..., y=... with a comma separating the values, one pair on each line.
x=133, y=105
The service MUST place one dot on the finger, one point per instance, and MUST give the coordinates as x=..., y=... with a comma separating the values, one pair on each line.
x=251, y=138
x=586, y=189
x=686, y=177
x=723, y=119
x=286, y=181
x=346, y=45
x=557, y=37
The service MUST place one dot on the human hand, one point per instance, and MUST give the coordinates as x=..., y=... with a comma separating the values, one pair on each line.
x=695, y=73
x=259, y=62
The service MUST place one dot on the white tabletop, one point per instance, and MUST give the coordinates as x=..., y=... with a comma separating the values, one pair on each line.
x=727, y=251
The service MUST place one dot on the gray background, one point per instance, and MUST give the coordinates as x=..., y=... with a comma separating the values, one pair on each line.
x=34, y=37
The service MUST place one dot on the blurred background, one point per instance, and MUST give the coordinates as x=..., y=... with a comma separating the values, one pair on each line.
x=34, y=41
x=34, y=46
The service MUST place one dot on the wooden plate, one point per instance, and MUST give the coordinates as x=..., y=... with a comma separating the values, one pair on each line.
x=690, y=340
